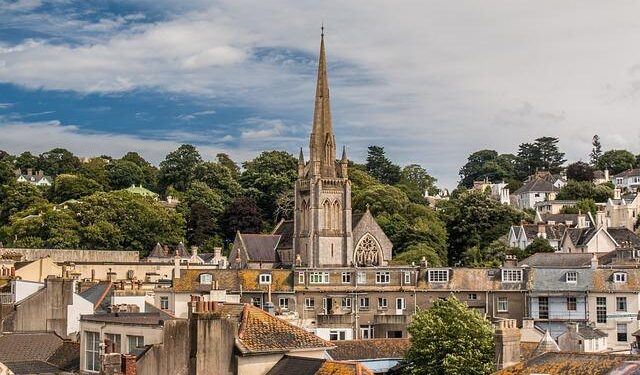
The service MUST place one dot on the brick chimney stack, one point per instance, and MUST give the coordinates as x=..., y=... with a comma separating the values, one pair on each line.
x=507, y=339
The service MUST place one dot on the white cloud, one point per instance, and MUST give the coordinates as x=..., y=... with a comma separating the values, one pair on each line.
x=194, y=115
x=261, y=129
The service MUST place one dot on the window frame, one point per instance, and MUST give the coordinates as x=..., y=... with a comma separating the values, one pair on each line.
x=265, y=279
x=621, y=304
x=502, y=304
x=284, y=305
x=571, y=277
x=601, y=310
x=509, y=273
x=115, y=338
x=365, y=306
x=620, y=333
x=340, y=335
x=383, y=277
x=309, y=303
x=407, y=278
x=543, y=301
x=346, y=277
x=164, y=303
x=572, y=304
x=318, y=277
x=383, y=306
x=402, y=302
x=472, y=296
x=619, y=277
x=137, y=341
x=92, y=350
x=346, y=303
x=361, y=278
x=300, y=277
x=436, y=275
x=204, y=277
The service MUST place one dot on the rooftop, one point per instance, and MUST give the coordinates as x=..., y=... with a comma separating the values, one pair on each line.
x=353, y=350
x=146, y=319
x=570, y=364
x=316, y=366
x=38, y=352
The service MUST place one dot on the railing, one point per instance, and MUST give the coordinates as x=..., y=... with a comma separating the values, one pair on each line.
x=329, y=319
x=389, y=319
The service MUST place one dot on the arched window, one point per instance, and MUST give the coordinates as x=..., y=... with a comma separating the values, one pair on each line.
x=336, y=215
x=327, y=153
x=368, y=252
x=304, y=218
x=326, y=212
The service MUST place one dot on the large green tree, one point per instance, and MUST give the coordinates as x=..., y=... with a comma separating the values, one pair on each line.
x=596, y=151
x=58, y=161
x=179, y=168
x=68, y=186
x=149, y=172
x=380, y=167
x=221, y=179
x=542, y=154
x=575, y=190
x=7, y=175
x=122, y=174
x=617, y=161
x=580, y=171
x=487, y=164
x=226, y=161
x=26, y=160
x=243, y=214
x=18, y=197
x=48, y=228
x=96, y=169
x=416, y=178
x=450, y=339
x=201, y=224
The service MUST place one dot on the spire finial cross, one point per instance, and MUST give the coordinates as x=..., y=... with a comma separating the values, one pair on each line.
x=322, y=29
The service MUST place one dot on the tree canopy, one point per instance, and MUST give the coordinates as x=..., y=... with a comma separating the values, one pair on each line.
x=617, y=161
x=380, y=167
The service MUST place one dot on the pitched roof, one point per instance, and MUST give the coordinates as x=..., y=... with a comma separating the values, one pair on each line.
x=350, y=350
x=569, y=364
x=97, y=293
x=233, y=280
x=261, y=332
x=159, y=251
x=560, y=260
x=285, y=231
x=603, y=281
x=629, y=173
x=553, y=231
x=546, y=345
x=554, y=280
x=537, y=185
x=625, y=236
x=147, y=319
x=38, y=352
x=260, y=247
x=316, y=366
x=471, y=279
x=562, y=218
x=588, y=332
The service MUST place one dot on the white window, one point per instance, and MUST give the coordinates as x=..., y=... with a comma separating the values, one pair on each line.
x=164, y=303
x=572, y=277
x=309, y=303
x=265, y=278
x=346, y=303
x=300, y=277
x=362, y=277
x=337, y=335
x=92, y=351
x=401, y=304
x=438, y=276
x=283, y=303
x=319, y=278
x=383, y=277
x=620, y=277
x=206, y=278
x=621, y=329
x=346, y=277
x=366, y=332
x=382, y=303
x=619, y=181
x=511, y=276
x=364, y=303
x=407, y=277
x=472, y=296
x=135, y=342
x=503, y=304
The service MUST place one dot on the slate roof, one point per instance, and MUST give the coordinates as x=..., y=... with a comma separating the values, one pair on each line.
x=97, y=293
x=537, y=185
x=553, y=231
x=159, y=251
x=261, y=332
x=546, y=345
x=590, y=333
x=561, y=218
x=285, y=231
x=37, y=352
x=603, y=281
x=554, y=280
x=353, y=350
x=570, y=364
x=562, y=260
x=629, y=173
x=623, y=235
x=316, y=366
x=147, y=319
x=234, y=280
x=471, y=279
x=260, y=247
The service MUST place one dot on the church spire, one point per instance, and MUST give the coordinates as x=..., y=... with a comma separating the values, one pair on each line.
x=322, y=141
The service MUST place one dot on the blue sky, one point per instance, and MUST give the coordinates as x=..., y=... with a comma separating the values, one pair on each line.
x=432, y=81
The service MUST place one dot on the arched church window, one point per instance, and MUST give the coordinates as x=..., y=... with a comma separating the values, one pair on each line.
x=304, y=218
x=368, y=252
x=336, y=215
x=326, y=212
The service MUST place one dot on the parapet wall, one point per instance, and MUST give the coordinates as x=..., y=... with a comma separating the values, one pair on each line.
x=72, y=255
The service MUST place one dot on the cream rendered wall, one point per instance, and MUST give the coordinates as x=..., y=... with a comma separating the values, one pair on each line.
x=23, y=289
x=38, y=270
x=630, y=317
x=601, y=243
x=79, y=307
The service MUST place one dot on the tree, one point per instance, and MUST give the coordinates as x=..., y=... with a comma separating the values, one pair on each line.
x=380, y=167
x=638, y=161
x=58, y=161
x=380, y=198
x=219, y=178
x=487, y=164
x=474, y=219
x=267, y=177
x=414, y=174
x=96, y=169
x=575, y=190
x=149, y=172
x=4, y=155
x=542, y=154
x=616, y=161
x=18, y=197
x=580, y=171
x=596, y=151
x=243, y=214
x=539, y=245
x=178, y=168
x=450, y=339
x=48, y=228
x=201, y=225
x=26, y=160
x=226, y=161
x=582, y=206
x=7, y=175
x=122, y=174
x=199, y=192
x=68, y=186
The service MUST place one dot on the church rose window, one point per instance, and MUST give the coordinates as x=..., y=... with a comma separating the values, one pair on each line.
x=368, y=252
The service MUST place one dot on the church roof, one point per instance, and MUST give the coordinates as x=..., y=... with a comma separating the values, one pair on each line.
x=284, y=229
x=260, y=247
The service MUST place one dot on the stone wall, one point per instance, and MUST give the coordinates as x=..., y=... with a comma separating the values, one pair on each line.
x=172, y=356
x=64, y=255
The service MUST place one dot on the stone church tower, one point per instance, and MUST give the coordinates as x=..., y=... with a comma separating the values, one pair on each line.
x=322, y=220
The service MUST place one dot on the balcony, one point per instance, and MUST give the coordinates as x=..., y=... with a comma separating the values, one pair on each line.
x=333, y=319
x=389, y=319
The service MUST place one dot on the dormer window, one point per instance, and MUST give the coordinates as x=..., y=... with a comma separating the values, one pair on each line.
x=511, y=275
x=571, y=277
x=206, y=278
x=620, y=277
x=265, y=279
x=438, y=276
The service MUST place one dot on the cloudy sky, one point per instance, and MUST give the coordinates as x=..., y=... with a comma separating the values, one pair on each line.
x=431, y=81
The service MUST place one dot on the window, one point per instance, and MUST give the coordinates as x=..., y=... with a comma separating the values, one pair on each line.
x=438, y=276
x=572, y=277
x=472, y=296
x=206, y=278
x=511, y=276
x=622, y=332
x=115, y=340
x=407, y=277
x=503, y=304
x=319, y=278
x=257, y=301
x=283, y=303
x=346, y=277
x=309, y=303
x=364, y=303
x=621, y=303
x=572, y=304
x=346, y=303
x=619, y=181
x=366, y=332
x=92, y=351
x=383, y=277
x=135, y=342
x=601, y=309
x=337, y=335
x=265, y=278
x=382, y=303
x=394, y=334
x=362, y=277
x=164, y=303
x=401, y=304
x=543, y=307
x=300, y=277
x=620, y=277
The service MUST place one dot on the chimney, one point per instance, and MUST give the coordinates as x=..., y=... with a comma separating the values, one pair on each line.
x=594, y=262
x=601, y=220
x=582, y=221
x=194, y=251
x=528, y=323
x=606, y=174
x=510, y=261
x=542, y=230
x=217, y=252
x=507, y=339
x=40, y=174
x=617, y=193
x=129, y=364
x=29, y=171
x=176, y=267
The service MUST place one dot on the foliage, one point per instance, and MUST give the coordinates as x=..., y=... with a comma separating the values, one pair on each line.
x=68, y=186
x=450, y=339
x=492, y=255
x=7, y=175
x=122, y=174
x=219, y=178
x=58, y=161
x=380, y=167
x=380, y=198
x=149, y=172
x=96, y=169
x=539, y=245
x=49, y=228
x=487, y=164
x=200, y=224
x=580, y=171
x=582, y=206
x=596, y=151
x=474, y=219
x=226, y=161
x=415, y=253
x=542, y=154
x=178, y=168
x=416, y=176
x=199, y=192
x=26, y=160
x=18, y=197
x=616, y=161
x=243, y=214
x=576, y=190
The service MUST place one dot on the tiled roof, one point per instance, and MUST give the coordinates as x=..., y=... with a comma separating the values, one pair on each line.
x=557, y=260
x=285, y=231
x=159, y=251
x=569, y=364
x=149, y=319
x=562, y=218
x=97, y=293
x=623, y=235
x=629, y=173
x=537, y=185
x=38, y=352
x=260, y=247
x=553, y=232
x=471, y=279
x=603, y=281
x=589, y=333
x=261, y=332
x=546, y=345
x=234, y=280
x=350, y=350
x=554, y=279
x=316, y=366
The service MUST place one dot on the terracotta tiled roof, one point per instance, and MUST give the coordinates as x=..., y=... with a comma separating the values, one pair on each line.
x=261, y=332
x=234, y=280
x=316, y=366
x=350, y=350
x=569, y=364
